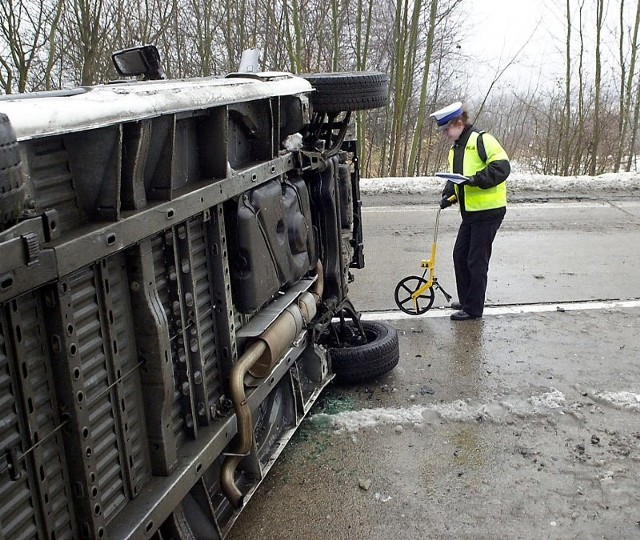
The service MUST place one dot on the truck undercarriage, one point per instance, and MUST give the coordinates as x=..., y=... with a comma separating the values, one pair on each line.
x=174, y=295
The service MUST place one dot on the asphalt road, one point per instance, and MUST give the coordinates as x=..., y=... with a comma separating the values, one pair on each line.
x=524, y=424
x=544, y=252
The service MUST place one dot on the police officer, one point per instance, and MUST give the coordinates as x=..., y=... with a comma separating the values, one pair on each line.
x=483, y=203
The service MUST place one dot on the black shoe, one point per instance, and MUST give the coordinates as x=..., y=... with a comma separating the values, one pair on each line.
x=463, y=316
x=456, y=305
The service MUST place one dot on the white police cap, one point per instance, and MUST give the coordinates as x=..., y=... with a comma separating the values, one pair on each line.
x=448, y=113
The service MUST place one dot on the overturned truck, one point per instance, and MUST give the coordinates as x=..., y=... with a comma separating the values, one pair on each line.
x=175, y=259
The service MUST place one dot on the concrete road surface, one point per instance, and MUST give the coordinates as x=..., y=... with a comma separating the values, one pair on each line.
x=544, y=252
x=524, y=424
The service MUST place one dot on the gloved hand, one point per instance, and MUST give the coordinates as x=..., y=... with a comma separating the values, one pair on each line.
x=445, y=202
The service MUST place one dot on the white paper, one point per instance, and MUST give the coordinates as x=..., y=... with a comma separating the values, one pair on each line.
x=454, y=177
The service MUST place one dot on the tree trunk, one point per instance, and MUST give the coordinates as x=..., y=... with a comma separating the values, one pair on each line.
x=598, y=89
x=626, y=92
x=563, y=136
x=416, y=143
x=362, y=49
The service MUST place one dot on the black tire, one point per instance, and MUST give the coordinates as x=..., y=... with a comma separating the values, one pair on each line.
x=12, y=189
x=348, y=91
x=360, y=362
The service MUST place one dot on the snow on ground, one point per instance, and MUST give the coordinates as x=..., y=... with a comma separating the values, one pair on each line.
x=497, y=411
x=621, y=400
x=517, y=181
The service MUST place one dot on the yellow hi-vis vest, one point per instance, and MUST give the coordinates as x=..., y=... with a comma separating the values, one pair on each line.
x=475, y=198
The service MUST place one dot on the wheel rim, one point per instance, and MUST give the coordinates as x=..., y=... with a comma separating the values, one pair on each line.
x=406, y=288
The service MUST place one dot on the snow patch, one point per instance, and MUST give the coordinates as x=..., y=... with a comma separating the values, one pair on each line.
x=517, y=181
x=546, y=404
x=620, y=400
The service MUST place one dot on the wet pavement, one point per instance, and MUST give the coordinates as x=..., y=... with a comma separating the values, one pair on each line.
x=518, y=425
x=558, y=251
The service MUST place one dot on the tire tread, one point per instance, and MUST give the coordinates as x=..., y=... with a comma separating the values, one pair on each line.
x=348, y=91
x=12, y=189
x=369, y=361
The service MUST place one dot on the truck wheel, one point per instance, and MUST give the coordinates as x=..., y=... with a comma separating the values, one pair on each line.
x=348, y=91
x=12, y=190
x=360, y=360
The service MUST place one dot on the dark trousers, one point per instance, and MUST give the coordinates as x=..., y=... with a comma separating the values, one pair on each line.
x=471, y=254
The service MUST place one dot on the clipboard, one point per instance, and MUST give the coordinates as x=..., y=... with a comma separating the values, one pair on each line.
x=453, y=177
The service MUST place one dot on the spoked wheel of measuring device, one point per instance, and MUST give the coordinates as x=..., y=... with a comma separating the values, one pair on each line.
x=362, y=356
x=405, y=289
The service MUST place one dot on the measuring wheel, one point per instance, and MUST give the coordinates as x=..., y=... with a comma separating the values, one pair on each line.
x=405, y=289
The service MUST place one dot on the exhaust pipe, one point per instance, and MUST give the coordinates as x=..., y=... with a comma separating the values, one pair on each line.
x=259, y=359
x=243, y=421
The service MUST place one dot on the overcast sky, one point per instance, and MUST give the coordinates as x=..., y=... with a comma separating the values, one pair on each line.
x=498, y=29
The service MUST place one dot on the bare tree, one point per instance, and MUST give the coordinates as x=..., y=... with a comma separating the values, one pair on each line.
x=559, y=129
x=89, y=30
x=598, y=88
x=204, y=19
x=23, y=34
x=626, y=84
x=500, y=71
x=575, y=135
x=416, y=143
x=563, y=138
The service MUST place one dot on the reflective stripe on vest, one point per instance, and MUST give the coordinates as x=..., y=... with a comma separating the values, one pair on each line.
x=476, y=199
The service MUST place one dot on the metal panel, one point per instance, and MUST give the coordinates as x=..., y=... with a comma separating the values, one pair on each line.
x=162, y=279
x=204, y=317
x=82, y=247
x=95, y=160
x=104, y=105
x=86, y=308
x=36, y=456
x=166, y=261
x=99, y=317
x=45, y=453
x=17, y=508
x=228, y=320
x=124, y=372
x=52, y=181
x=154, y=351
x=191, y=368
x=182, y=263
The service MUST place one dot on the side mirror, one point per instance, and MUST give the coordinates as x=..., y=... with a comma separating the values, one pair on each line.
x=136, y=61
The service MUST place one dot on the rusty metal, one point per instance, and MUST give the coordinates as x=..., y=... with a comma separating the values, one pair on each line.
x=243, y=421
x=258, y=360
